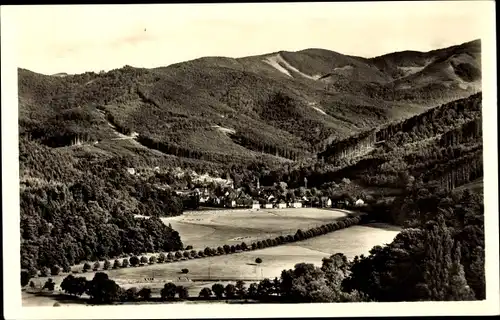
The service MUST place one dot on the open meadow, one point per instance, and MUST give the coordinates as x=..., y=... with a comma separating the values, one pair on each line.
x=213, y=228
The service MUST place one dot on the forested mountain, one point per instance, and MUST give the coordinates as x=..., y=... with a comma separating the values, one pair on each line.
x=286, y=104
x=279, y=117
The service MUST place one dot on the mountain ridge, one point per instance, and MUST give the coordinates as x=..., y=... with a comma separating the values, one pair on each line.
x=283, y=103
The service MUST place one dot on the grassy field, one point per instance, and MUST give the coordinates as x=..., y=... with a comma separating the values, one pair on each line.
x=218, y=227
x=208, y=228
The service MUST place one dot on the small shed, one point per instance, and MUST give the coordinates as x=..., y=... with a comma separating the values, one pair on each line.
x=268, y=206
x=297, y=204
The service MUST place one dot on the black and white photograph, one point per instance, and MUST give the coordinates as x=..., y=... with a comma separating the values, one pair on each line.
x=214, y=160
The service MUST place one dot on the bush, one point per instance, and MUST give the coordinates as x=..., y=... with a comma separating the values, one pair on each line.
x=254, y=246
x=189, y=248
x=117, y=264
x=86, y=267
x=125, y=263
x=106, y=265
x=134, y=261
x=240, y=288
x=161, y=258
x=170, y=256
x=144, y=259
x=186, y=254
x=207, y=251
x=185, y=270
x=227, y=249
x=258, y=260
x=55, y=270
x=221, y=250
x=201, y=254
x=97, y=265
x=178, y=255
x=152, y=260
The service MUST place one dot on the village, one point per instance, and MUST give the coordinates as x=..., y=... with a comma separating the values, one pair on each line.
x=266, y=197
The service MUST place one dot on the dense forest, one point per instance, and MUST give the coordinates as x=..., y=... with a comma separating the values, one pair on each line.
x=460, y=119
x=73, y=210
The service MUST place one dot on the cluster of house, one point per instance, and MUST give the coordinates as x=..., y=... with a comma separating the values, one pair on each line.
x=236, y=198
x=304, y=202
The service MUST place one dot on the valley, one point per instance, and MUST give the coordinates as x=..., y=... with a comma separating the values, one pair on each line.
x=324, y=166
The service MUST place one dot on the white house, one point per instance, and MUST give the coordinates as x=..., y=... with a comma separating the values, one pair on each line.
x=297, y=205
x=281, y=205
x=268, y=206
x=359, y=202
x=256, y=206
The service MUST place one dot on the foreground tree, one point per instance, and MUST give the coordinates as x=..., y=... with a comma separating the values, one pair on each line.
x=305, y=283
x=168, y=291
x=230, y=291
x=74, y=286
x=131, y=294
x=182, y=292
x=205, y=293
x=102, y=290
x=145, y=293
x=218, y=290
x=240, y=288
x=25, y=278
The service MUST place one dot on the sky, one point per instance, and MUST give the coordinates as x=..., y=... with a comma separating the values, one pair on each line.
x=76, y=39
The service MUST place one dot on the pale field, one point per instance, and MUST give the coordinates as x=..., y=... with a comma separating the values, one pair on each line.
x=215, y=229
x=219, y=227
